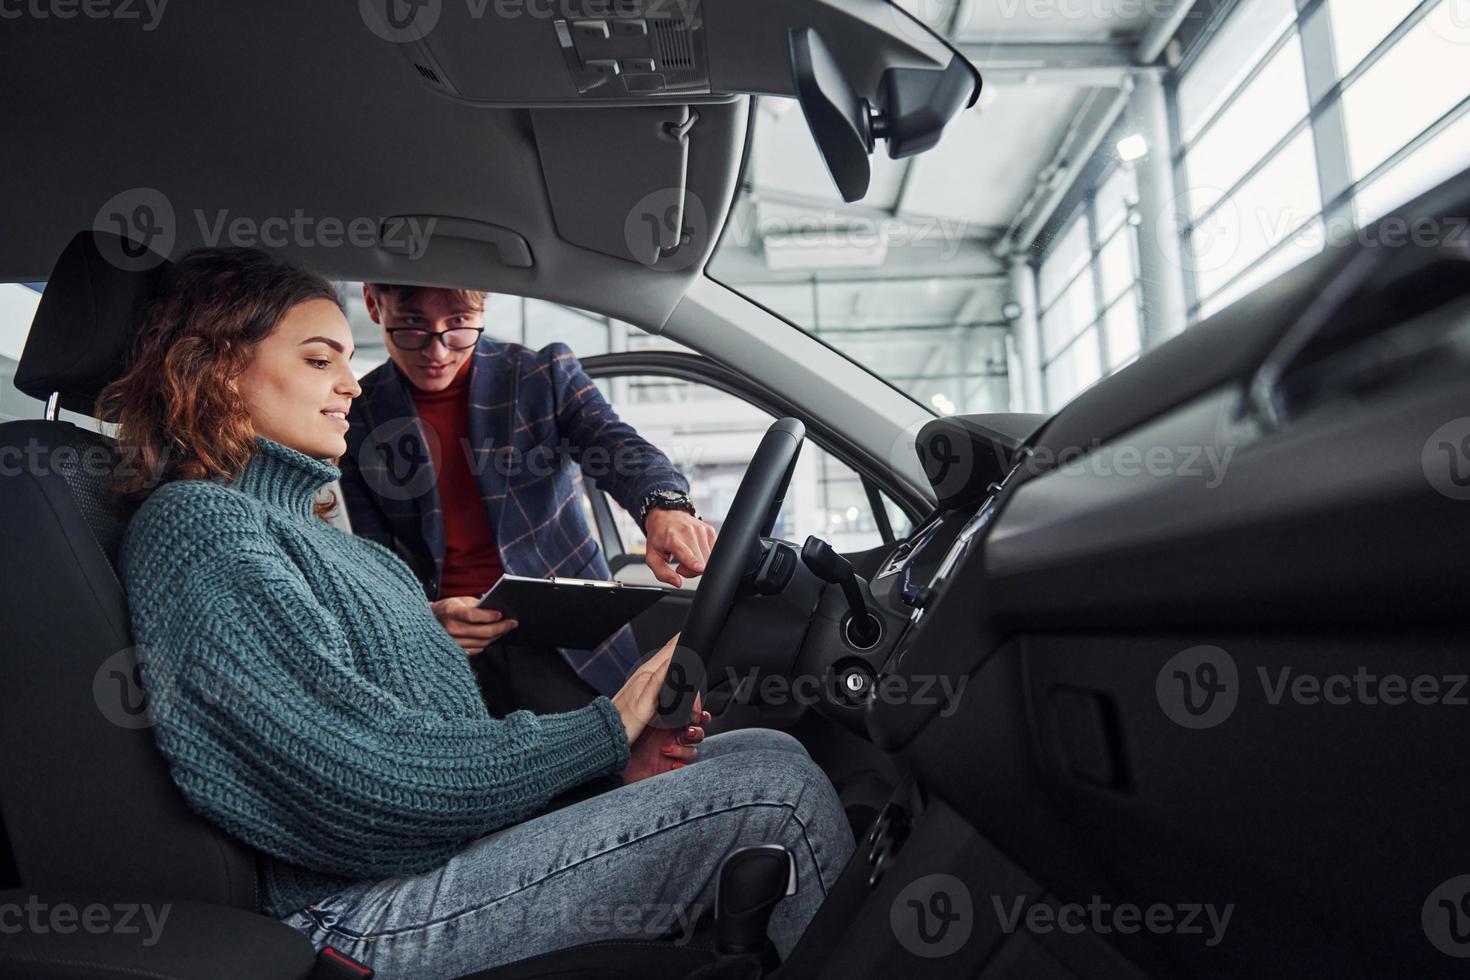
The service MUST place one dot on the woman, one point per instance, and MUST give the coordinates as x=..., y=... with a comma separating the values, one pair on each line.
x=310, y=704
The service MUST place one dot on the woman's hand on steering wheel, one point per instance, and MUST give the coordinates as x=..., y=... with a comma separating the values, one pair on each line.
x=637, y=702
x=660, y=750
x=655, y=749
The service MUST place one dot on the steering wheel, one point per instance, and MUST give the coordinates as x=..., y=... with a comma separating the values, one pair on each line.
x=736, y=552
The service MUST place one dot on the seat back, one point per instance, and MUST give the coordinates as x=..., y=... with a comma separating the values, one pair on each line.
x=85, y=796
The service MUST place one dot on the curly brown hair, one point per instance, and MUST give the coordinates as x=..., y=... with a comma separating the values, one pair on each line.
x=178, y=415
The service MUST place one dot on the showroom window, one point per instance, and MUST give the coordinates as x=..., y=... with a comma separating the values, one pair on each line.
x=18, y=303
x=902, y=282
x=1252, y=196
x=710, y=436
x=1088, y=291
x=1254, y=136
x=1405, y=96
x=535, y=323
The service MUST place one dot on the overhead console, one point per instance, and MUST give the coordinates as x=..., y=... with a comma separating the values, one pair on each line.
x=632, y=52
x=864, y=71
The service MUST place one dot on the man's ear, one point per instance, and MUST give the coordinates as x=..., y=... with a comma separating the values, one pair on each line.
x=372, y=303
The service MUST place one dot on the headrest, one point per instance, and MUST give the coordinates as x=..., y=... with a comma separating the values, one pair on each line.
x=89, y=314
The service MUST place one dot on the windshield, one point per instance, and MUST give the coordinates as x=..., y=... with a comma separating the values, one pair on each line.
x=1087, y=209
x=907, y=292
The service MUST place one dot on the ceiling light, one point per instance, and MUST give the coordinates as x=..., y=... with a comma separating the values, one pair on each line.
x=1131, y=148
x=942, y=404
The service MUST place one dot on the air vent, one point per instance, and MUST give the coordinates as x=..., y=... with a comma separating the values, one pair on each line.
x=672, y=44
x=428, y=74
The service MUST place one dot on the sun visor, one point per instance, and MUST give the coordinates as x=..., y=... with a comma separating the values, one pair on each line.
x=630, y=162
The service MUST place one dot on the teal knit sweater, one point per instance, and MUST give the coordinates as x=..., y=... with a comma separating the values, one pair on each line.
x=307, y=700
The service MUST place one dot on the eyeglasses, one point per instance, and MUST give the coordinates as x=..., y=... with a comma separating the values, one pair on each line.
x=412, y=338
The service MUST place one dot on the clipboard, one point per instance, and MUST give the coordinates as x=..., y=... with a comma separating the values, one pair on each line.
x=577, y=613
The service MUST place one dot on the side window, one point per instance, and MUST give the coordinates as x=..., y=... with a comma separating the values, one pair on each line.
x=710, y=436
x=17, y=308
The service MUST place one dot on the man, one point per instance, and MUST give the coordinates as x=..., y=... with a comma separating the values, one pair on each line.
x=458, y=456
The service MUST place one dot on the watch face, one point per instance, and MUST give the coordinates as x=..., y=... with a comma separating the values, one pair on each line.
x=667, y=500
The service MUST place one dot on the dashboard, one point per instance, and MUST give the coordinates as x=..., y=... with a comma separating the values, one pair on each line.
x=968, y=460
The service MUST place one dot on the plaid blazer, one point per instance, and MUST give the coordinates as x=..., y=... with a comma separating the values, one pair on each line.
x=535, y=420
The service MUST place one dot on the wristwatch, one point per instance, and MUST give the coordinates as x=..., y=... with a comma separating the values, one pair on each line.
x=664, y=500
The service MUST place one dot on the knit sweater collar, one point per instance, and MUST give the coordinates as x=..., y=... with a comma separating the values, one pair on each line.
x=284, y=477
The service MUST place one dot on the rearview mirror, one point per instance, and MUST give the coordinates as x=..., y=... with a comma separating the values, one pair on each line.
x=836, y=115
x=914, y=106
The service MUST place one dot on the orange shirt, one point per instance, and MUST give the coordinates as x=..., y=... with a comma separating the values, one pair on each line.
x=471, y=554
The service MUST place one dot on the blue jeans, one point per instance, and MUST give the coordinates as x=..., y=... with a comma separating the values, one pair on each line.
x=628, y=864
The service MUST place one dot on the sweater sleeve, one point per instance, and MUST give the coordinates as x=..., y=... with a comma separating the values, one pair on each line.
x=272, y=734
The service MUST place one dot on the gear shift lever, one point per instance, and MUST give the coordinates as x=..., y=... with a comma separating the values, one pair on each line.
x=752, y=880
x=827, y=565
